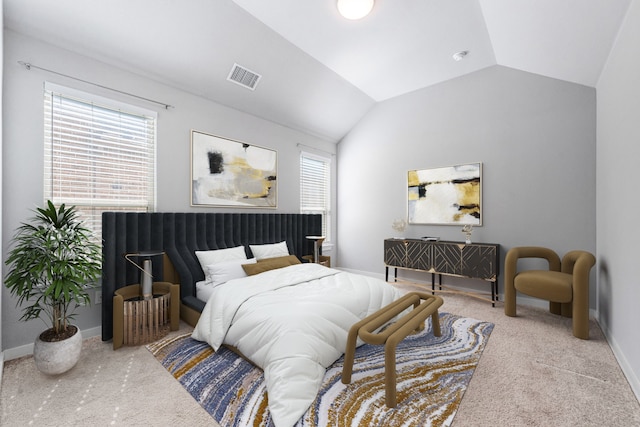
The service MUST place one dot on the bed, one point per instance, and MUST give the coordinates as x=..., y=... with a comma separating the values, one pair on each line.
x=286, y=316
x=293, y=322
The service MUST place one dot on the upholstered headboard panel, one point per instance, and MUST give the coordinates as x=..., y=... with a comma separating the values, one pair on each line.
x=179, y=235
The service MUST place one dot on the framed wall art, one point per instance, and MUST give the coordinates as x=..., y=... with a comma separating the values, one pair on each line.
x=448, y=195
x=231, y=173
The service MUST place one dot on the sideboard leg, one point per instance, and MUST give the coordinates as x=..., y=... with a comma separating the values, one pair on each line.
x=494, y=293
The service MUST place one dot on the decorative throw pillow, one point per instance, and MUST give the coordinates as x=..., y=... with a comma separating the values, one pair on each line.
x=270, y=264
x=271, y=250
x=222, y=272
x=219, y=255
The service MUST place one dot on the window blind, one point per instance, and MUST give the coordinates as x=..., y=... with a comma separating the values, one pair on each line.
x=97, y=157
x=315, y=178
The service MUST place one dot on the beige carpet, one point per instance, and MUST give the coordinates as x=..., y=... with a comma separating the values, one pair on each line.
x=533, y=372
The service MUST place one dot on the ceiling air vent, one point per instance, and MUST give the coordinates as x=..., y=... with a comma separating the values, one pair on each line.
x=244, y=77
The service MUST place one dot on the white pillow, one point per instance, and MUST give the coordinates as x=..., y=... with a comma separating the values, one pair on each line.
x=222, y=272
x=270, y=250
x=203, y=291
x=219, y=255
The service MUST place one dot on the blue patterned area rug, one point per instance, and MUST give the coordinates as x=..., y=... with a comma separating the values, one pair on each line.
x=432, y=375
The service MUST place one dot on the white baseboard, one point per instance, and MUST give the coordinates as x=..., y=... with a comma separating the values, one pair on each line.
x=1, y=367
x=627, y=370
x=27, y=349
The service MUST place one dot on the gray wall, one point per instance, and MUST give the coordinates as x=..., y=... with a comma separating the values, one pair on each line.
x=23, y=146
x=618, y=152
x=534, y=135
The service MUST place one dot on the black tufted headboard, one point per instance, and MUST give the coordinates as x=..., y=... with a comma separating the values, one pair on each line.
x=179, y=235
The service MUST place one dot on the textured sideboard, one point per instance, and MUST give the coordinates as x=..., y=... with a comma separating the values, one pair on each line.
x=473, y=260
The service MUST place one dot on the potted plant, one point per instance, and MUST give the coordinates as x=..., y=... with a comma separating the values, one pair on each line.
x=52, y=262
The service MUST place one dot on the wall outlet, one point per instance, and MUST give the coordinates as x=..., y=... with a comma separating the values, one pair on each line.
x=98, y=297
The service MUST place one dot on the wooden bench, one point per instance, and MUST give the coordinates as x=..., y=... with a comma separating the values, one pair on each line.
x=413, y=321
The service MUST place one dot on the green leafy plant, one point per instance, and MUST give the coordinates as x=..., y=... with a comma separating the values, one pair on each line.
x=52, y=262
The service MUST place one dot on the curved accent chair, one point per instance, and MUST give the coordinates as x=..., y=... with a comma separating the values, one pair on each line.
x=565, y=285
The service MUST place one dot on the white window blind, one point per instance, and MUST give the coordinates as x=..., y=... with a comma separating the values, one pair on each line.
x=97, y=157
x=315, y=179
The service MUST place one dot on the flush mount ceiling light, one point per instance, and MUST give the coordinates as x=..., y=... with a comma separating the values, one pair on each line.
x=459, y=56
x=355, y=9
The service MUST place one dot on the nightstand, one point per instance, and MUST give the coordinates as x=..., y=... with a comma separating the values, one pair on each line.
x=139, y=321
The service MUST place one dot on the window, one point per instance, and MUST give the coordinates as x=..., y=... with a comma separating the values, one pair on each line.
x=98, y=155
x=315, y=179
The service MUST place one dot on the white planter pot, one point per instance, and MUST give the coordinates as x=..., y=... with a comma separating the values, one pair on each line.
x=53, y=358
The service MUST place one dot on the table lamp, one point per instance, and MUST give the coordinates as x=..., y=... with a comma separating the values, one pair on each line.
x=146, y=275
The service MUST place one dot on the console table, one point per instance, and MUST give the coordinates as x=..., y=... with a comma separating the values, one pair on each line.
x=473, y=260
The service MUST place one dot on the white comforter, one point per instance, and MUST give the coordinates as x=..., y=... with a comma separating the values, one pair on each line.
x=292, y=332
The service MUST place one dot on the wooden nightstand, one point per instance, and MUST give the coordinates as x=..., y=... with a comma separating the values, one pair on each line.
x=324, y=260
x=138, y=321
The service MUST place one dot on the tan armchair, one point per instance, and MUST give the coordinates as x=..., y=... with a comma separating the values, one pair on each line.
x=565, y=285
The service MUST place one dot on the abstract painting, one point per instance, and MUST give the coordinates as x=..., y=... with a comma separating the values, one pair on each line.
x=231, y=173
x=449, y=195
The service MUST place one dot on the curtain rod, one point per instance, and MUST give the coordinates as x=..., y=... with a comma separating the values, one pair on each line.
x=29, y=66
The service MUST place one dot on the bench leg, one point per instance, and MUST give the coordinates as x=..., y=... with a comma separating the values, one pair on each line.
x=435, y=324
x=350, y=353
x=390, y=373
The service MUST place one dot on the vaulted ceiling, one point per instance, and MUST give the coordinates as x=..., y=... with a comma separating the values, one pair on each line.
x=320, y=73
